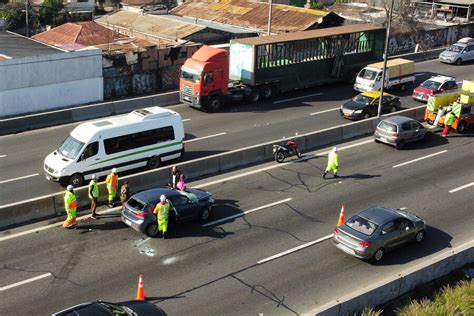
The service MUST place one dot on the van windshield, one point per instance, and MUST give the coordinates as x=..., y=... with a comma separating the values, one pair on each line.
x=70, y=148
x=455, y=48
x=368, y=74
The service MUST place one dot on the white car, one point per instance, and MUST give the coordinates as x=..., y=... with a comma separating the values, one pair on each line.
x=459, y=52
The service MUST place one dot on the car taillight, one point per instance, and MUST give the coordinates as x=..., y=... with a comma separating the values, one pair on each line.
x=140, y=214
x=364, y=244
x=336, y=231
x=395, y=135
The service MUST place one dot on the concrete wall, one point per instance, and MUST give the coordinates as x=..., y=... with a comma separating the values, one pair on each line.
x=42, y=83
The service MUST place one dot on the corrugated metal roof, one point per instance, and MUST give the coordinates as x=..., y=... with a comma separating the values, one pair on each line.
x=456, y=2
x=288, y=37
x=151, y=24
x=121, y=47
x=251, y=14
x=84, y=33
x=16, y=46
x=210, y=24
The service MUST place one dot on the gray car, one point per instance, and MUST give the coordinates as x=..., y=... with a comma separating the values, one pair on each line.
x=377, y=230
x=398, y=131
x=459, y=52
x=192, y=204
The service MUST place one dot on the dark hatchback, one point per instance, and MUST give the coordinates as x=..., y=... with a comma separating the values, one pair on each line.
x=377, y=230
x=101, y=308
x=366, y=104
x=192, y=204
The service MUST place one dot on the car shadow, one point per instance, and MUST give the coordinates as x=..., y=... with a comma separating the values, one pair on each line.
x=435, y=240
x=89, y=225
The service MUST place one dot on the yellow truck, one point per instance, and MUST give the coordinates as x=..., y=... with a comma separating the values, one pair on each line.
x=460, y=102
x=399, y=73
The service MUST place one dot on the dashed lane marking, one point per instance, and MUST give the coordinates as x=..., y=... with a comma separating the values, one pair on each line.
x=20, y=178
x=462, y=187
x=204, y=137
x=292, y=99
x=39, y=277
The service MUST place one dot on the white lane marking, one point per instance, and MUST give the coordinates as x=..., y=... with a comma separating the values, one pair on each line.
x=325, y=111
x=20, y=178
x=417, y=75
x=246, y=212
x=462, y=187
x=402, y=208
x=284, y=253
x=244, y=174
x=292, y=99
x=38, y=229
x=204, y=137
x=3, y=156
x=25, y=281
x=185, y=120
x=421, y=158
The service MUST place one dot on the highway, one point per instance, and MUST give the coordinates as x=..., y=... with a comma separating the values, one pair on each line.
x=22, y=155
x=227, y=267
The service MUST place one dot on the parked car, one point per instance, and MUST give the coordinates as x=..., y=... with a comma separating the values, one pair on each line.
x=377, y=230
x=434, y=85
x=399, y=130
x=186, y=206
x=459, y=52
x=365, y=105
x=101, y=308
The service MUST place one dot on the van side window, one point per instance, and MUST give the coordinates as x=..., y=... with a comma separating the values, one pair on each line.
x=137, y=140
x=91, y=150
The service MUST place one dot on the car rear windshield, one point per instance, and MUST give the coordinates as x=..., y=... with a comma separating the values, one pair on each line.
x=389, y=127
x=362, y=225
x=136, y=204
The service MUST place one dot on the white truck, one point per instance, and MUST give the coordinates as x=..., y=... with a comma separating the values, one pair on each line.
x=399, y=73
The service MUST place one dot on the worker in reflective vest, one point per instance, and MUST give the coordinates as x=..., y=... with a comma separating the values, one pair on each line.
x=162, y=209
x=333, y=163
x=93, y=195
x=112, y=185
x=448, y=121
x=70, y=204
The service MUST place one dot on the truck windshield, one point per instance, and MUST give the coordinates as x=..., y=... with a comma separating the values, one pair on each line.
x=455, y=48
x=70, y=148
x=368, y=74
x=362, y=99
x=430, y=84
x=190, y=76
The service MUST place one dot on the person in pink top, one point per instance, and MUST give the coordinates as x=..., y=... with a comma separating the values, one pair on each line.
x=181, y=185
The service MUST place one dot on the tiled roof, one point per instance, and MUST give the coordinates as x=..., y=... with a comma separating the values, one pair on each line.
x=84, y=33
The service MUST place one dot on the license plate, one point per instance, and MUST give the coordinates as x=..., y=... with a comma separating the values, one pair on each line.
x=383, y=139
x=129, y=223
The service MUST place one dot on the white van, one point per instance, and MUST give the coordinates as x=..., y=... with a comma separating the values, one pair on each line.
x=144, y=137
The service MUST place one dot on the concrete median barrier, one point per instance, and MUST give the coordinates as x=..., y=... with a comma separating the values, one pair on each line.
x=357, y=129
x=323, y=137
x=22, y=212
x=91, y=112
x=239, y=158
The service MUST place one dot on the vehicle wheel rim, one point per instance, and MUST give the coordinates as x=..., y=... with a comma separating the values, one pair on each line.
x=458, y=61
x=366, y=116
x=393, y=109
x=280, y=157
x=205, y=214
x=419, y=236
x=378, y=255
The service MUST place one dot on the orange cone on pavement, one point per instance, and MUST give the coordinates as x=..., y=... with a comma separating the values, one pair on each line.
x=341, y=217
x=141, y=289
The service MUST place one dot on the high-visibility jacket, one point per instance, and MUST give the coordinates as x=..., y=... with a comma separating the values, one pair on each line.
x=163, y=210
x=93, y=189
x=333, y=159
x=70, y=203
x=449, y=119
x=112, y=182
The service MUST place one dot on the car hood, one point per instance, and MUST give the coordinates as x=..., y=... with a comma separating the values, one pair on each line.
x=448, y=54
x=352, y=105
x=423, y=90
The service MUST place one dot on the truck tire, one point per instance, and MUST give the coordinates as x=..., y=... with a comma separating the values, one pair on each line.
x=215, y=104
x=254, y=95
x=267, y=91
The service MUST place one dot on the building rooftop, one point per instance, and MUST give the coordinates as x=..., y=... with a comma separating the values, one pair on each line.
x=16, y=46
x=209, y=24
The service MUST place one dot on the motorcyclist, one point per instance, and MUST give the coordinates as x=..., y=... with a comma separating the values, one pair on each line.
x=293, y=147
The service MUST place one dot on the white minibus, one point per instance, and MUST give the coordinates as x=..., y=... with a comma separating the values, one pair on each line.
x=144, y=137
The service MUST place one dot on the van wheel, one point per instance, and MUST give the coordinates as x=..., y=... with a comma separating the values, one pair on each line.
x=267, y=91
x=462, y=127
x=152, y=229
x=204, y=214
x=215, y=104
x=458, y=61
x=76, y=180
x=153, y=163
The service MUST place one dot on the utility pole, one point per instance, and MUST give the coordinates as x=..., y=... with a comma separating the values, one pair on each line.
x=270, y=17
x=27, y=19
x=385, y=55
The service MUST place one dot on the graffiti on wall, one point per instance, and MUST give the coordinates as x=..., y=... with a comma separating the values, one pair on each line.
x=404, y=43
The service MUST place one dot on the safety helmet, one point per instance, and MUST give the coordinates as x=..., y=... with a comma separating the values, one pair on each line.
x=94, y=177
x=70, y=188
x=114, y=170
x=334, y=149
x=162, y=198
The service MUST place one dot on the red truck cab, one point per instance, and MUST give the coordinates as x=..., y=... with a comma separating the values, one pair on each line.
x=204, y=79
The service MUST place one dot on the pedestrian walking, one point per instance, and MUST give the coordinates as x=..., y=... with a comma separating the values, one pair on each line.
x=175, y=175
x=112, y=185
x=70, y=204
x=162, y=210
x=448, y=121
x=333, y=163
x=124, y=193
x=93, y=195
x=181, y=185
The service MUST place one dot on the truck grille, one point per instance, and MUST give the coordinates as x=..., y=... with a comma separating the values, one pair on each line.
x=48, y=168
x=187, y=93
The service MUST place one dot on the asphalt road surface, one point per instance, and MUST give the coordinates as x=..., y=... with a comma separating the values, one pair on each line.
x=221, y=269
x=22, y=155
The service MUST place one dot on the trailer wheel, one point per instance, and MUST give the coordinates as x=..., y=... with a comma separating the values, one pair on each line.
x=254, y=95
x=267, y=91
x=215, y=104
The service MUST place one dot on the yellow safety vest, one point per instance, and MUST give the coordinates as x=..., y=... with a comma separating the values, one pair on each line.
x=70, y=202
x=163, y=210
x=333, y=159
x=95, y=189
x=112, y=181
x=449, y=119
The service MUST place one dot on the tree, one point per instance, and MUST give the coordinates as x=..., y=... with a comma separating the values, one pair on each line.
x=12, y=14
x=51, y=11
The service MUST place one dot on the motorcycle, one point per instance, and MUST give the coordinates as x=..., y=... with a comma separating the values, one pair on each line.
x=280, y=153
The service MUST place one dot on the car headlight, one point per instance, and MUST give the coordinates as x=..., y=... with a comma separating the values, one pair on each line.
x=358, y=111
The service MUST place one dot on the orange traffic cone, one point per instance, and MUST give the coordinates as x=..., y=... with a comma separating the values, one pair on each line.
x=341, y=217
x=141, y=289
